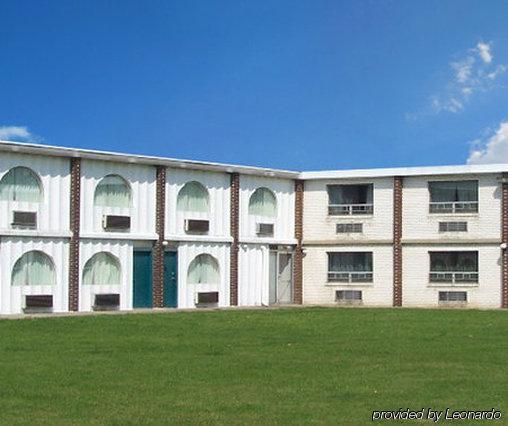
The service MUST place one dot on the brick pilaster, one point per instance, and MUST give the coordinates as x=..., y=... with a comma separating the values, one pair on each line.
x=158, y=249
x=397, y=241
x=75, y=205
x=504, y=239
x=298, y=256
x=235, y=232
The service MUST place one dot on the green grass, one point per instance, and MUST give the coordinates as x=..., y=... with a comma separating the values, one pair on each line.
x=287, y=366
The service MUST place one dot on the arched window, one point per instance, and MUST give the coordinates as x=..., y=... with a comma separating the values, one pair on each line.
x=204, y=269
x=113, y=191
x=263, y=203
x=102, y=269
x=21, y=184
x=33, y=268
x=193, y=197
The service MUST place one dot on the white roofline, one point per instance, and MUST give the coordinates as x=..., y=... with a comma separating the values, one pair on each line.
x=406, y=171
x=38, y=149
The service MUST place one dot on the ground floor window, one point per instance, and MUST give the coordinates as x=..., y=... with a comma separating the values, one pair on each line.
x=350, y=267
x=452, y=296
x=453, y=267
x=348, y=295
x=33, y=268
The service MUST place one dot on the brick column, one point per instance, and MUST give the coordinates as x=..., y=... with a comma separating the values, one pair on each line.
x=298, y=256
x=75, y=204
x=235, y=232
x=397, y=241
x=158, y=248
x=504, y=239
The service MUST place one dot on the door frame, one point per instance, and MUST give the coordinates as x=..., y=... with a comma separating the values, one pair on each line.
x=278, y=252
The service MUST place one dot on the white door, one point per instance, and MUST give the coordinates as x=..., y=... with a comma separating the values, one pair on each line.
x=281, y=278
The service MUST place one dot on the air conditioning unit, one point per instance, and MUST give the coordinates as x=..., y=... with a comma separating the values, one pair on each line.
x=106, y=302
x=116, y=223
x=27, y=219
x=264, y=229
x=207, y=299
x=38, y=304
x=197, y=226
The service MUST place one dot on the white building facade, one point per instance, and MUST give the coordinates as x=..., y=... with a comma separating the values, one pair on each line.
x=87, y=230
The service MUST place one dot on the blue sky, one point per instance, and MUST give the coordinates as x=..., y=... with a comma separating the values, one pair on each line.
x=302, y=85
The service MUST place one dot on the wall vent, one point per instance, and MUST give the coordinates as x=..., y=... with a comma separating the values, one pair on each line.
x=38, y=304
x=264, y=229
x=349, y=297
x=452, y=226
x=207, y=299
x=116, y=223
x=452, y=298
x=106, y=302
x=194, y=226
x=25, y=219
x=347, y=228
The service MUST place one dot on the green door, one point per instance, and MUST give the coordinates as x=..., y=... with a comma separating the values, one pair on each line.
x=142, y=279
x=170, y=279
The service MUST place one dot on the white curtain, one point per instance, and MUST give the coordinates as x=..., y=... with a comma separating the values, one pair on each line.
x=33, y=268
x=193, y=197
x=20, y=184
x=112, y=191
x=204, y=269
x=102, y=269
x=263, y=203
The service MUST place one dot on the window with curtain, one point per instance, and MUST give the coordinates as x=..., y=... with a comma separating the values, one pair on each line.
x=102, y=269
x=34, y=268
x=454, y=261
x=350, y=262
x=21, y=184
x=453, y=191
x=193, y=197
x=204, y=269
x=113, y=191
x=350, y=194
x=263, y=203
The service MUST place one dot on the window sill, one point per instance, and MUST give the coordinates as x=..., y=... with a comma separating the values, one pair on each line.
x=453, y=285
x=471, y=215
x=348, y=284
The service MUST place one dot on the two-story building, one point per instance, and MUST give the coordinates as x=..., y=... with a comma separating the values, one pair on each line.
x=85, y=230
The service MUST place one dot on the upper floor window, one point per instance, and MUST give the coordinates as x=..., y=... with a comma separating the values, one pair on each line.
x=204, y=269
x=193, y=197
x=33, y=268
x=453, y=196
x=102, y=269
x=263, y=203
x=453, y=267
x=350, y=267
x=113, y=191
x=350, y=199
x=21, y=184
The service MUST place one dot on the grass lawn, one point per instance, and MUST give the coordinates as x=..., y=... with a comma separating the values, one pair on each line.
x=287, y=366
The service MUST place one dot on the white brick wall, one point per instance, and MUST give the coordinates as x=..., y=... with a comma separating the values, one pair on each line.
x=316, y=289
x=317, y=225
x=418, y=223
x=417, y=291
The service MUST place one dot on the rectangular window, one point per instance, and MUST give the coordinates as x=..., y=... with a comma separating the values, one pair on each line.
x=346, y=228
x=452, y=296
x=350, y=199
x=452, y=226
x=348, y=295
x=350, y=267
x=454, y=267
x=453, y=196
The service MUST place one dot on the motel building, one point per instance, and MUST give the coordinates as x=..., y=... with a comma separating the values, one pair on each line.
x=85, y=230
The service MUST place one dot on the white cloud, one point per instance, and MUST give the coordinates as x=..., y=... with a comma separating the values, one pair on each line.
x=492, y=150
x=471, y=73
x=484, y=52
x=15, y=133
